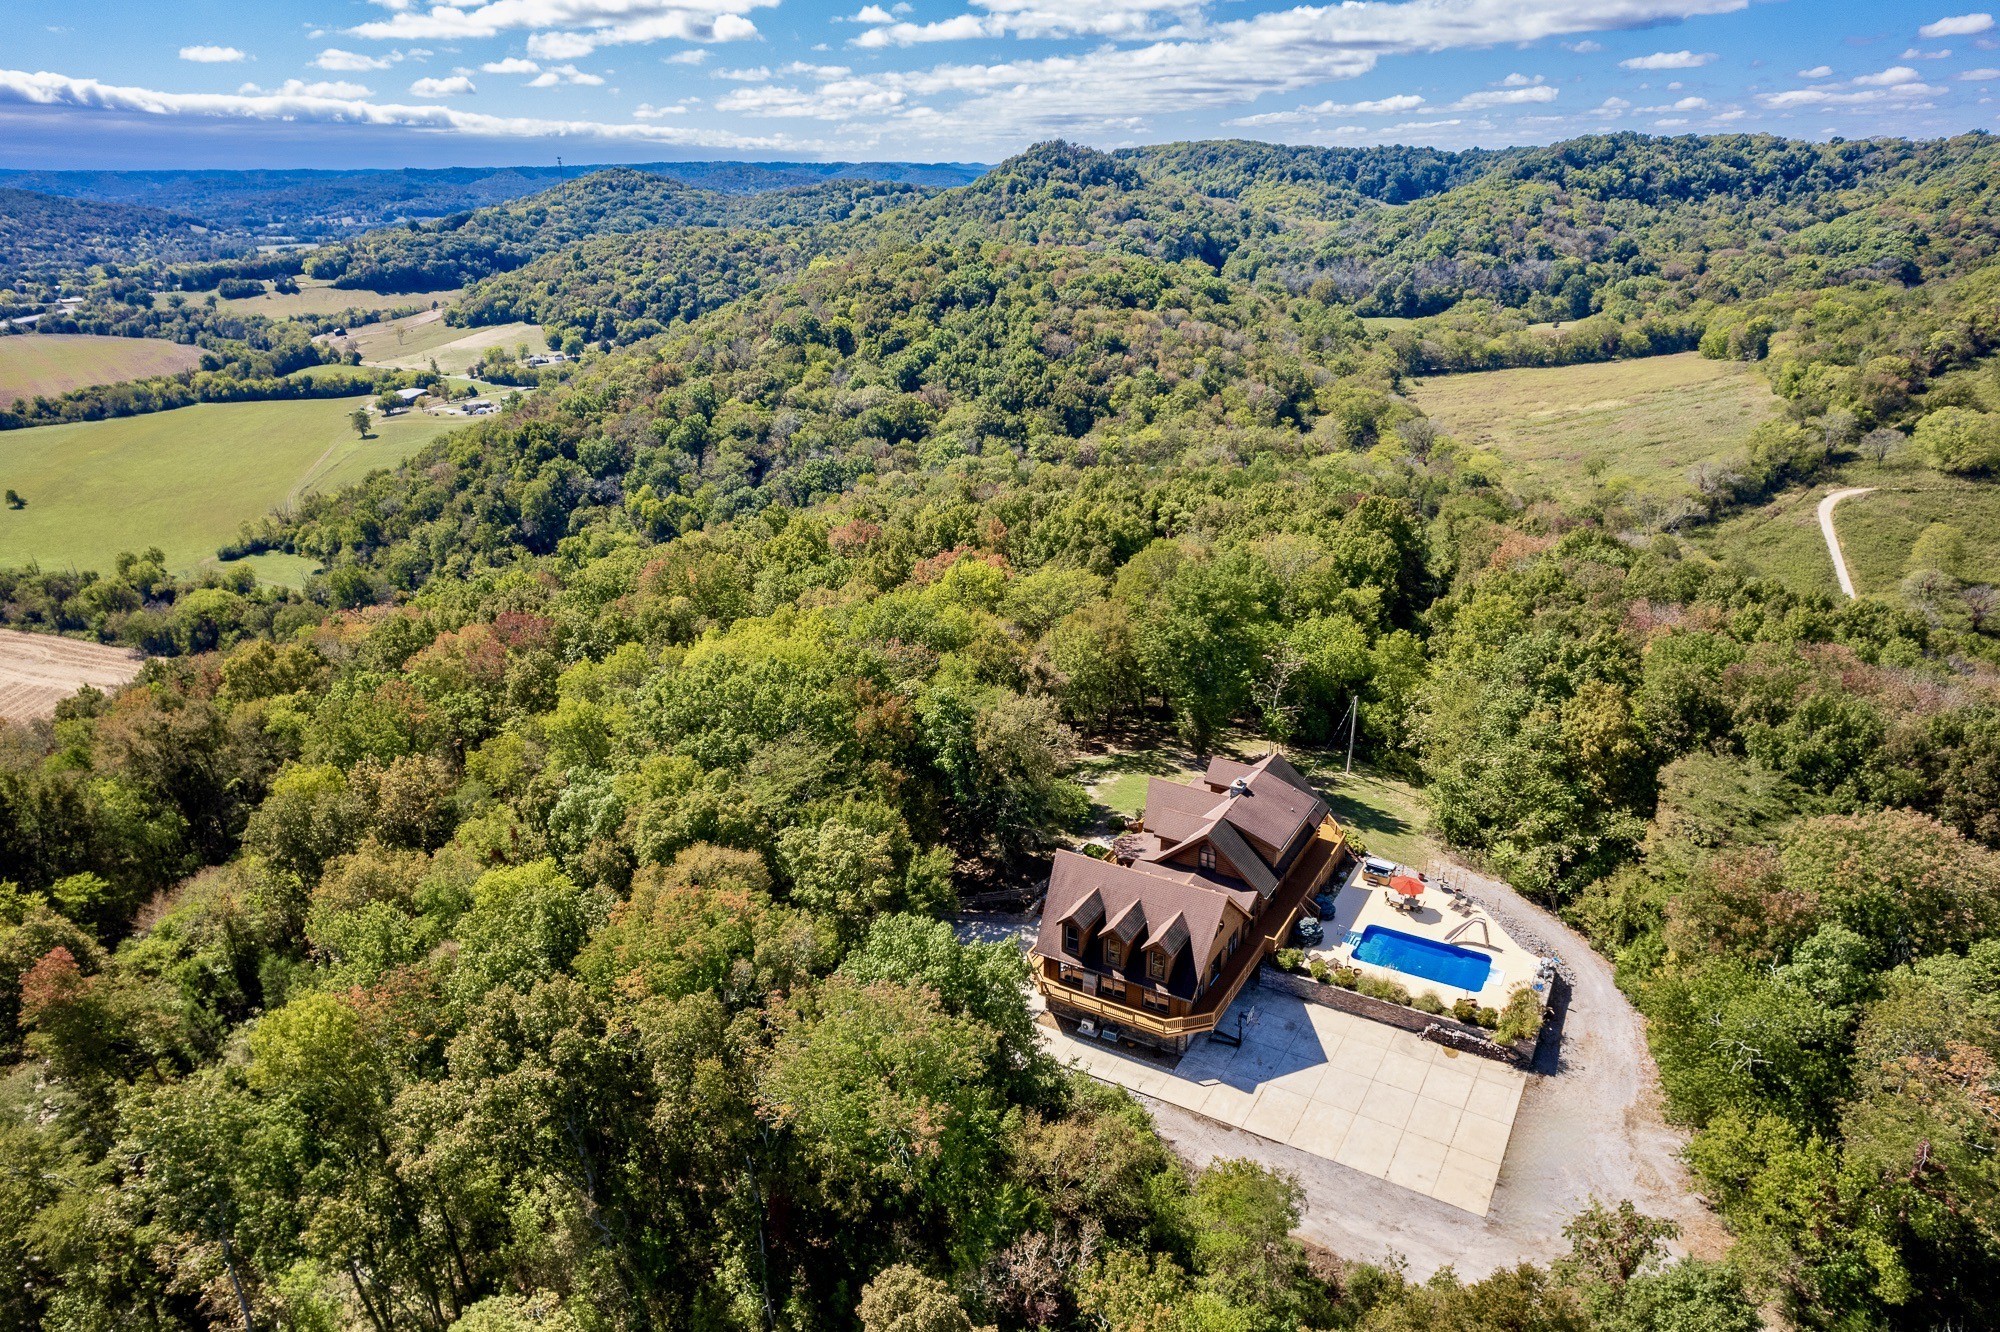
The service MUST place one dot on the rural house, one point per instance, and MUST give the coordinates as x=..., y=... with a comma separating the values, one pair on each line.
x=1158, y=938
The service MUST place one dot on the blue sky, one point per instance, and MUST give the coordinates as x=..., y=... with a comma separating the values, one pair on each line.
x=135, y=83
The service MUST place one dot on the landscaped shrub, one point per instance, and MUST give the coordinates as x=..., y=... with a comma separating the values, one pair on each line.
x=1487, y=1017
x=1346, y=977
x=1466, y=1010
x=1289, y=959
x=1377, y=988
x=1428, y=1002
x=1321, y=972
x=1522, y=1018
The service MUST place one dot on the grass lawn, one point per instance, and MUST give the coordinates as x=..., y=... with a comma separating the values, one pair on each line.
x=316, y=297
x=1782, y=539
x=184, y=480
x=1637, y=424
x=32, y=364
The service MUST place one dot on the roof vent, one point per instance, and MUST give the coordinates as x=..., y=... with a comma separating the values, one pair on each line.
x=1239, y=787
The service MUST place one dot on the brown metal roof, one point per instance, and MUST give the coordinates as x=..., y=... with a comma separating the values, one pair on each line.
x=1199, y=907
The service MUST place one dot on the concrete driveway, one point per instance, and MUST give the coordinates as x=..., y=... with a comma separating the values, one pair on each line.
x=1372, y=1098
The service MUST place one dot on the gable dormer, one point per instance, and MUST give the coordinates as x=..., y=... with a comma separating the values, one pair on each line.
x=1080, y=920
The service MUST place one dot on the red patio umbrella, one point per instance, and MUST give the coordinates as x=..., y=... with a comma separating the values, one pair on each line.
x=1407, y=886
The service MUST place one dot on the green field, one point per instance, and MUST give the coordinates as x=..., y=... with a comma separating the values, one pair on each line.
x=1571, y=431
x=32, y=364
x=413, y=342
x=1782, y=539
x=184, y=480
x=315, y=297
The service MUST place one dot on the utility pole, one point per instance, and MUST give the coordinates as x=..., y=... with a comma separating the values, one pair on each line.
x=1353, y=705
x=561, y=177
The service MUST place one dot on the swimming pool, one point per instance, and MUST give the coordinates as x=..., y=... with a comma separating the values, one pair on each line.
x=1447, y=964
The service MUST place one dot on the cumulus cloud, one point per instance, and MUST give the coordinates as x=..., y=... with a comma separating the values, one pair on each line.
x=1979, y=75
x=46, y=89
x=1817, y=72
x=1504, y=97
x=1584, y=47
x=456, y=85
x=353, y=62
x=212, y=55
x=1669, y=60
x=567, y=29
x=1896, y=84
x=511, y=65
x=1380, y=106
x=300, y=88
x=1127, y=19
x=561, y=74
x=1964, y=25
x=1521, y=81
x=694, y=55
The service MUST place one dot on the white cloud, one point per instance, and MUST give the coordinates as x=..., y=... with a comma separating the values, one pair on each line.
x=752, y=74
x=457, y=85
x=817, y=71
x=353, y=62
x=561, y=74
x=511, y=65
x=1521, y=81
x=1914, y=54
x=46, y=89
x=212, y=55
x=300, y=88
x=1690, y=104
x=694, y=55
x=1889, y=78
x=1126, y=19
x=568, y=29
x=1817, y=72
x=1584, y=47
x=1964, y=25
x=1503, y=97
x=1979, y=75
x=1381, y=106
x=647, y=111
x=1669, y=60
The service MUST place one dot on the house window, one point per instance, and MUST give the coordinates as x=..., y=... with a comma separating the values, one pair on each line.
x=1156, y=965
x=1070, y=939
x=1153, y=1000
x=1114, y=955
x=1214, y=969
x=1206, y=856
x=1235, y=939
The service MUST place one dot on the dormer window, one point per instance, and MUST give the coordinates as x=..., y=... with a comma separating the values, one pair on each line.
x=1114, y=954
x=1071, y=943
x=1156, y=965
x=1206, y=856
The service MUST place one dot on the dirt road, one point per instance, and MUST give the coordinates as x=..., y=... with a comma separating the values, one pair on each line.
x=1833, y=539
x=38, y=671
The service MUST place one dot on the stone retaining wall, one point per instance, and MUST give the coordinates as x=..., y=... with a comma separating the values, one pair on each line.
x=1432, y=1026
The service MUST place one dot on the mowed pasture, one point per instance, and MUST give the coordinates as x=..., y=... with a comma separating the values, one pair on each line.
x=37, y=364
x=184, y=480
x=415, y=341
x=1566, y=431
x=1782, y=540
x=38, y=671
x=321, y=298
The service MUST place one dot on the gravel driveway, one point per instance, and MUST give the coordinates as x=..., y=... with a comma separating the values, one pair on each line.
x=1591, y=1128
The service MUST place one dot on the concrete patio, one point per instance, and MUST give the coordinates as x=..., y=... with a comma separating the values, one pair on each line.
x=1374, y=1099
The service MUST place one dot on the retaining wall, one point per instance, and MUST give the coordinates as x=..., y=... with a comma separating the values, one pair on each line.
x=1437, y=1027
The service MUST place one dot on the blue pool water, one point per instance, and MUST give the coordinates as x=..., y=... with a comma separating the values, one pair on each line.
x=1444, y=963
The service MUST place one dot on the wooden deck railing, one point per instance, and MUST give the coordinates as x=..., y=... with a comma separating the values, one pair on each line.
x=1274, y=926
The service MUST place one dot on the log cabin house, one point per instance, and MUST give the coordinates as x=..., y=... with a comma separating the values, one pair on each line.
x=1158, y=939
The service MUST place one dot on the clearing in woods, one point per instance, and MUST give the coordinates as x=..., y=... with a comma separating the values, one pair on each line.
x=38, y=671
x=319, y=298
x=413, y=342
x=184, y=480
x=34, y=364
x=1567, y=430
x=1782, y=539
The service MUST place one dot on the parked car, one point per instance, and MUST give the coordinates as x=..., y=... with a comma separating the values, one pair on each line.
x=1307, y=931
